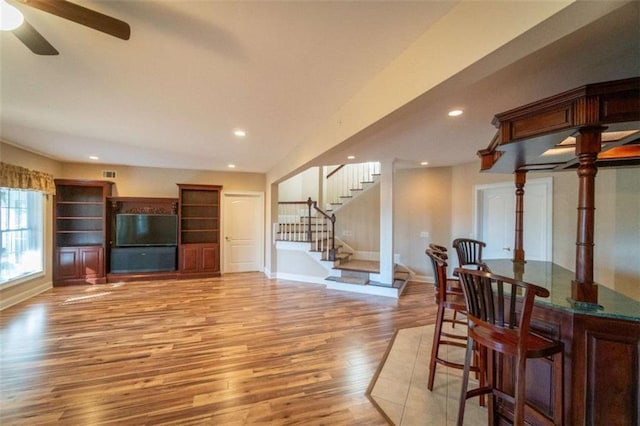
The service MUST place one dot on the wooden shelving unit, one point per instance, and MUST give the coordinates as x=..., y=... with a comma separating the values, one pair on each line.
x=80, y=231
x=199, y=229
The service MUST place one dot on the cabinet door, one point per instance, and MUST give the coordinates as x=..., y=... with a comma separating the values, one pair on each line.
x=210, y=260
x=189, y=257
x=74, y=263
x=91, y=262
x=67, y=266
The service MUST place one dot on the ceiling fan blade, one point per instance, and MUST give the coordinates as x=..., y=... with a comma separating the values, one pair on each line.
x=34, y=40
x=83, y=16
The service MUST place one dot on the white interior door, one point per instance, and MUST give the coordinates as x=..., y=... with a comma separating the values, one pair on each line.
x=243, y=232
x=495, y=219
x=538, y=214
x=497, y=222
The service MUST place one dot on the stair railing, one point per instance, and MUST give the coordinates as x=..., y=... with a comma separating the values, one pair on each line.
x=344, y=179
x=326, y=243
x=294, y=220
x=304, y=221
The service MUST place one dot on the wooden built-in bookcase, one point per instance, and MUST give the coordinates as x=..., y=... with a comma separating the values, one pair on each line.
x=199, y=229
x=80, y=231
x=85, y=249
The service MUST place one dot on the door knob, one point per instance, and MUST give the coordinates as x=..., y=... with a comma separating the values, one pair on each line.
x=506, y=248
x=227, y=238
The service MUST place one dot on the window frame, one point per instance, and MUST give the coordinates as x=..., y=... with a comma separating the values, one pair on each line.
x=20, y=279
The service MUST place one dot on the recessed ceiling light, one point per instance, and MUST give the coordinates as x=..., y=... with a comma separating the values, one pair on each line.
x=558, y=151
x=240, y=133
x=424, y=163
x=93, y=157
x=11, y=18
x=231, y=166
x=455, y=113
x=351, y=157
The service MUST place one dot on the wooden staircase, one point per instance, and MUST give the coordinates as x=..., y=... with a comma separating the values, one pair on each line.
x=359, y=276
x=304, y=222
x=346, y=182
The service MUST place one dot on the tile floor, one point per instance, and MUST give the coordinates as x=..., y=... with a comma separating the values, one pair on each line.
x=400, y=389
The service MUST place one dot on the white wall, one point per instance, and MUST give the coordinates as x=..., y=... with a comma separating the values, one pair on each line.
x=626, y=235
x=358, y=222
x=301, y=186
x=294, y=264
x=422, y=215
x=161, y=182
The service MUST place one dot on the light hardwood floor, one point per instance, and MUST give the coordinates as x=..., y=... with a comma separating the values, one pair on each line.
x=241, y=349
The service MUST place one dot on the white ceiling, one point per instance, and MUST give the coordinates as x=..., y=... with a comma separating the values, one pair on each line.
x=193, y=71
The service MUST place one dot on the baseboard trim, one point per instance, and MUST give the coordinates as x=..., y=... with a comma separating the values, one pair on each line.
x=7, y=302
x=300, y=278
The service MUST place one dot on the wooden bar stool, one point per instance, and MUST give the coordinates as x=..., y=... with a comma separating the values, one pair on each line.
x=469, y=252
x=437, y=247
x=448, y=297
x=452, y=283
x=499, y=310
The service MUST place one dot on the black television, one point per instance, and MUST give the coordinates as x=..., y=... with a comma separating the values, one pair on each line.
x=136, y=230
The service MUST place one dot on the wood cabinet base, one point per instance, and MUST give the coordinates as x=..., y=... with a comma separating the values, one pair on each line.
x=199, y=260
x=79, y=265
x=601, y=372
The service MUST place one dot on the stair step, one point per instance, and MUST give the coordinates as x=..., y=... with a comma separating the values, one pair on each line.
x=354, y=274
x=360, y=265
x=339, y=256
x=401, y=275
x=377, y=284
x=353, y=280
x=399, y=279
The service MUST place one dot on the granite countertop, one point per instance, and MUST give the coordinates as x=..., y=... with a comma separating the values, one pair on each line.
x=557, y=280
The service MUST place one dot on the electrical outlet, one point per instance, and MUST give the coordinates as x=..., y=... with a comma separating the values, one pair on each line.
x=424, y=234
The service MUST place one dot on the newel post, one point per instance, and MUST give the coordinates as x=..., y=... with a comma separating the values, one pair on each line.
x=309, y=234
x=588, y=145
x=518, y=252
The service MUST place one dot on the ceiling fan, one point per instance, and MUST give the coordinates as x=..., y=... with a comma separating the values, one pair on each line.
x=67, y=10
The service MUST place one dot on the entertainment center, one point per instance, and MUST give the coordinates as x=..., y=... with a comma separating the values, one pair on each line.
x=99, y=238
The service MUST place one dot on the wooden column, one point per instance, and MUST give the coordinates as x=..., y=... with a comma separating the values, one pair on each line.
x=518, y=252
x=588, y=145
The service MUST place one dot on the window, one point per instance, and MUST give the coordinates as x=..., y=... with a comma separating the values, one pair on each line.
x=21, y=233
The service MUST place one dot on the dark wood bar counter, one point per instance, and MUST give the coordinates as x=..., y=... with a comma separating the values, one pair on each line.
x=600, y=328
x=601, y=347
